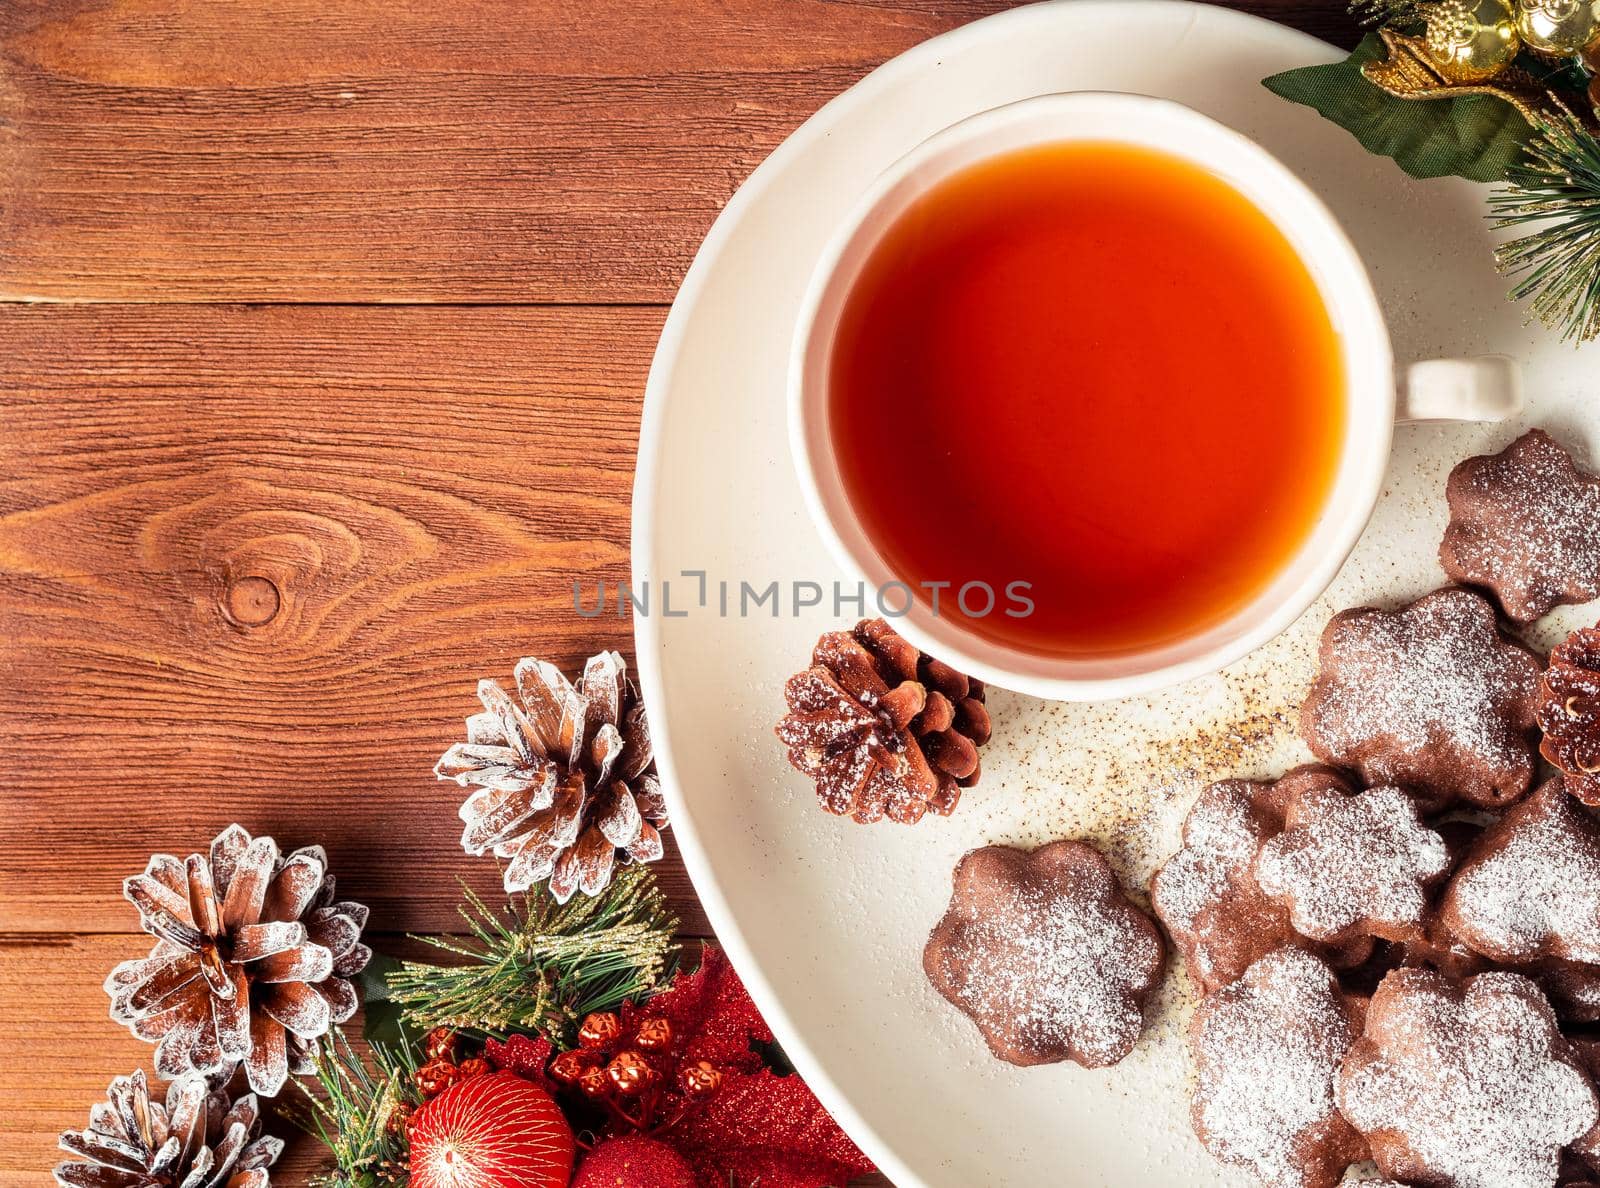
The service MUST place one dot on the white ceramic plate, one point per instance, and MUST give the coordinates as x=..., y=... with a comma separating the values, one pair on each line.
x=824, y=919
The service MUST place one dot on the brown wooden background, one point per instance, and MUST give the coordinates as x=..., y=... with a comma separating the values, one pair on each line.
x=323, y=332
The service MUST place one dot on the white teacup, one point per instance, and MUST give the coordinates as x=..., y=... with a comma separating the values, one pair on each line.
x=1480, y=389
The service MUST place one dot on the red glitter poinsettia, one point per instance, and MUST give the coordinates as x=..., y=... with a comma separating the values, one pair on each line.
x=759, y=1127
x=527, y=1056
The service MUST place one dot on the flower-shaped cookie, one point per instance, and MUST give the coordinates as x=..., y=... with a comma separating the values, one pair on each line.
x=1266, y=1050
x=1465, y=1084
x=1046, y=954
x=1207, y=895
x=1525, y=523
x=1530, y=887
x=1430, y=697
x=1353, y=865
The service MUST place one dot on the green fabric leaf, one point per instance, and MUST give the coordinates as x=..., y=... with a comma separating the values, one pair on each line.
x=382, y=1020
x=1477, y=137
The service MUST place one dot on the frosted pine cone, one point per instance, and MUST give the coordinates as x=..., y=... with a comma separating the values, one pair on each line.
x=885, y=730
x=1569, y=713
x=565, y=780
x=252, y=964
x=196, y=1140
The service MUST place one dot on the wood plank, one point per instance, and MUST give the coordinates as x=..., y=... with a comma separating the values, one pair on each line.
x=58, y=1051
x=254, y=560
x=409, y=150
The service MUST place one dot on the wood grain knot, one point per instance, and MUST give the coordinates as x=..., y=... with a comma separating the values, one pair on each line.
x=251, y=602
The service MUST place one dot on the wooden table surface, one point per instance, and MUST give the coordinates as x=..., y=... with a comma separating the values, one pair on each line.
x=323, y=334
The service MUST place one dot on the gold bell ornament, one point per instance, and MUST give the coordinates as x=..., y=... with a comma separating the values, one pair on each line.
x=1471, y=41
x=1560, y=28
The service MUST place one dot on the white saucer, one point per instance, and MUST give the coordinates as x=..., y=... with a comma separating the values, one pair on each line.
x=824, y=919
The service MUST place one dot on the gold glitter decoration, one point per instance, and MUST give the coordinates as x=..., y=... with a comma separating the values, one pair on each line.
x=1470, y=41
x=1409, y=72
x=1559, y=28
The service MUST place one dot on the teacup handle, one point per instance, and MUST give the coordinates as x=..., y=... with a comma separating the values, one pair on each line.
x=1483, y=388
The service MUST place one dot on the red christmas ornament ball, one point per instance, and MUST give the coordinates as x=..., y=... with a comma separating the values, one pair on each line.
x=599, y=1030
x=629, y=1073
x=655, y=1035
x=495, y=1131
x=633, y=1161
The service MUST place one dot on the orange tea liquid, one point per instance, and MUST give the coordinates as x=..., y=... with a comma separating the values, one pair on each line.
x=1096, y=369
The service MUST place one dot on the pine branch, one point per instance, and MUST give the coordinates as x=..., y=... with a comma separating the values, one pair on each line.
x=1555, y=195
x=543, y=967
x=1401, y=14
x=350, y=1117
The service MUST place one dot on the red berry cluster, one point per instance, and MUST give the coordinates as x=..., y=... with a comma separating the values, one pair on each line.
x=637, y=1077
x=441, y=1069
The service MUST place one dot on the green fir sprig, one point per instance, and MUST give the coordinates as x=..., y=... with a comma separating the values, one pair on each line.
x=350, y=1116
x=1401, y=14
x=542, y=966
x=1554, y=194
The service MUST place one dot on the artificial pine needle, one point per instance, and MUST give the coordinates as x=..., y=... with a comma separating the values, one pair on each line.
x=351, y=1115
x=1555, y=193
x=1401, y=13
x=544, y=966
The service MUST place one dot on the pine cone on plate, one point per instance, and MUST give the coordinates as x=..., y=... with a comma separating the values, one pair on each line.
x=252, y=962
x=1569, y=713
x=565, y=776
x=883, y=729
x=196, y=1140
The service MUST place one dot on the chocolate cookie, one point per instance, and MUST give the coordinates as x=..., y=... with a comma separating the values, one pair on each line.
x=1439, y=949
x=1465, y=1084
x=1525, y=523
x=1352, y=865
x=1206, y=894
x=1530, y=888
x=1046, y=954
x=1582, y=1159
x=1266, y=1050
x=1431, y=698
x=1572, y=987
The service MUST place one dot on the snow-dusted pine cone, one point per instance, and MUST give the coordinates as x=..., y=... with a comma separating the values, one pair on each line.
x=196, y=1140
x=884, y=729
x=252, y=962
x=1569, y=713
x=565, y=780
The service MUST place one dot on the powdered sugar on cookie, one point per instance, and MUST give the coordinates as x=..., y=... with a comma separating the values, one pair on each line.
x=1206, y=894
x=1045, y=953
x=1530, y=887
x=1430, y=697
x=1349, y=866
x=1266, y=1050
x=1526, y=524
x=1467, y=1083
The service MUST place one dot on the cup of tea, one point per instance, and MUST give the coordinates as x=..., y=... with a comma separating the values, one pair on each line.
x=1097, y=394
